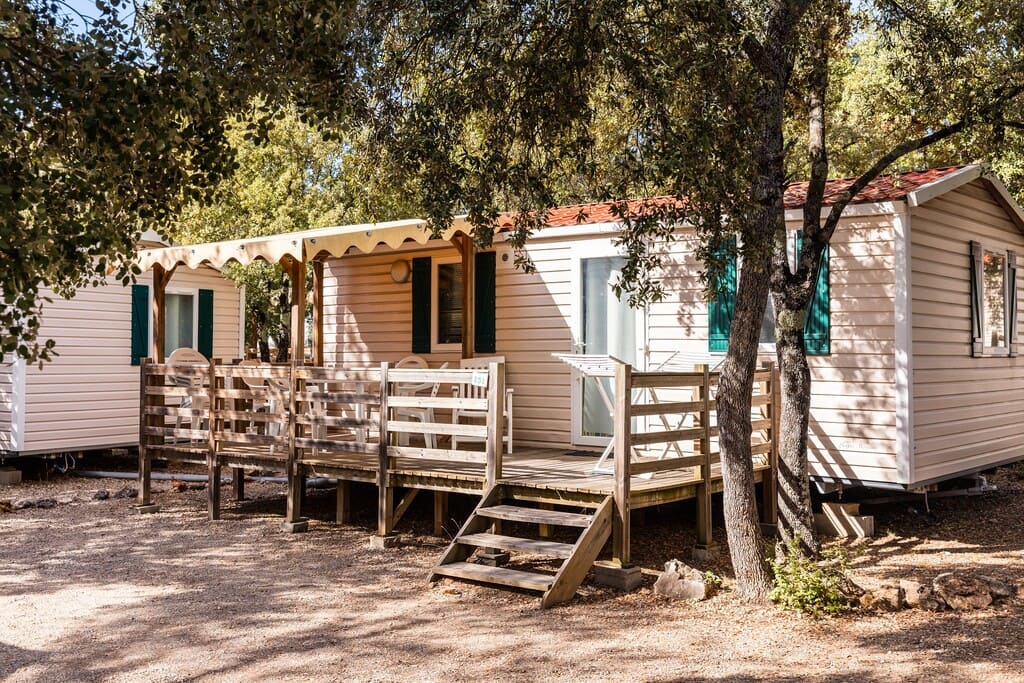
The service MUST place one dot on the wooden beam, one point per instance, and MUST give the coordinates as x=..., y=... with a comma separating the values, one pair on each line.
x=318, y=313
x=468, y=297
x=704, y=526
x=621, y=432
x=160, y=279
x=297, y=273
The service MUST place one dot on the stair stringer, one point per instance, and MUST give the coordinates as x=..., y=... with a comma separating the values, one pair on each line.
x=588, y=546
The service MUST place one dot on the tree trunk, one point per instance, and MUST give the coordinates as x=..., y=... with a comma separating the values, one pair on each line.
x=795, y=515
x=746, y=547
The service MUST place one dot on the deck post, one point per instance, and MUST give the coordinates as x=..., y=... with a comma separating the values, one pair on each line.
x=318, y=313
x=238, y=480
x=495, y=423
x=621, y=430
x=161, y=277
x=297, y=272
x=705, y=538
x=385, y=537
x=144, y=502
x=769, y=479
x=440, y=511
x=343, y=502
x=293, y=522
x=212, y=459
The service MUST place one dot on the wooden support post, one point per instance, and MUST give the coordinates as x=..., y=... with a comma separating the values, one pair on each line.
x=160, y=279
x=297, y=272
x=545, y=530
x=704, y=523
x=622, y=433
x=343, y=511
x=468, y=296
x=384, y=538
x=238, y=480
x=293, y=522
x=495, y=422
x=440, y=511
x=769, y=479
x=212, y=458
x=145, y=498
x=318, y=313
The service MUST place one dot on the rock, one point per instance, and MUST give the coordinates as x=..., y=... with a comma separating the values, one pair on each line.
x=179, y=486
x=885, y=598
x=681, y=582
x=102, y=494
x=961, y=591
x=24, y=503
x=46, y=503
x=126, y=492
x=6, y=506
x=1000, y=590
x=66, y=499
x=911, y=592
x=928, y=600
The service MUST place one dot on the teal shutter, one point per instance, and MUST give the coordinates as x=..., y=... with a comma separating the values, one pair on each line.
x=722, y=307
x=204, y=335
x=484, y=310
x=140, y=323
x=817, y=326
x=421, y=305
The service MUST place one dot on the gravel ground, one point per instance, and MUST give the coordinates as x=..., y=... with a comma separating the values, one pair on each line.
x=91, y=591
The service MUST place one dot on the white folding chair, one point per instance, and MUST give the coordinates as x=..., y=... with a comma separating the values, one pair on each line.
x=194, y=385
x=470, y=391
x=423, y=415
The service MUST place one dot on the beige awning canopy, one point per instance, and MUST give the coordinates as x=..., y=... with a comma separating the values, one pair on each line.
x=308, y=245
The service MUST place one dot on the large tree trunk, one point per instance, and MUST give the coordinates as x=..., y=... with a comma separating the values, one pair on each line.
x=795, y=515
x=746, y=547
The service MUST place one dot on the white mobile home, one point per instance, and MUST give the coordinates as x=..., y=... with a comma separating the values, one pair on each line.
x=87, y=398
x=912, y=334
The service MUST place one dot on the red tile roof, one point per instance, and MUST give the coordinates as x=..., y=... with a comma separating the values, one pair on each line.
x=882, y=189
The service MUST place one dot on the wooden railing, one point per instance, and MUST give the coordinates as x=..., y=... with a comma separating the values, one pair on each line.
x=682, y=408
x=303, y=413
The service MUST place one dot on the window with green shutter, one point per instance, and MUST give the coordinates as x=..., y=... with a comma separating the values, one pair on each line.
x=485, y=340
x=722, y=307
x=140, y=323
x=204, y=321
x=421, y=305
x=817, y=326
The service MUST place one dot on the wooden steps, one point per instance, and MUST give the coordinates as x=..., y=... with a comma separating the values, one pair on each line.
x=483, y=531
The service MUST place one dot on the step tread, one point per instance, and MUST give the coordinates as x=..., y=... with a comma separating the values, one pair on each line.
x=496, y=575
x=515, y=513
x=526, y=545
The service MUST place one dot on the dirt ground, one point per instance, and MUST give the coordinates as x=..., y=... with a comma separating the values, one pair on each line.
x=91, y=591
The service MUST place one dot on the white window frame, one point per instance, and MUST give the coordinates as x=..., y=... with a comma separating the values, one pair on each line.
x=184, y=291
x=435, y=309
x=988, y=350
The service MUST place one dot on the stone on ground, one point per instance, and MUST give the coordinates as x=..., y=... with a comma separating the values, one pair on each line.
x=962, y=591
x=682, y=582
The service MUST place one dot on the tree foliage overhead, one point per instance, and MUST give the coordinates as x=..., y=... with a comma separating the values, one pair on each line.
x=97, y=144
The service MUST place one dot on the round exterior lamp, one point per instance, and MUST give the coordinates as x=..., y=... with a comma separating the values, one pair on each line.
x=400, y=272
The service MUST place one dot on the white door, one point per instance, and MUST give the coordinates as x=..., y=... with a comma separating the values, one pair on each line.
x=603, y=325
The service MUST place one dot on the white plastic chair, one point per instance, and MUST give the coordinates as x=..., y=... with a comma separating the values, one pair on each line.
x=423, y=415
x=471, y=391
x=188, y=356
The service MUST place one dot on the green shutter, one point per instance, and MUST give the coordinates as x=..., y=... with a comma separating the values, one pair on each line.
x=204, y=336
x=722, y=307
x=421, y=305
x=140, y=323
x=817, y=326
x=485, y=341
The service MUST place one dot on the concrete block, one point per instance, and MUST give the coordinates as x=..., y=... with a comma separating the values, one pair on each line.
x=146, y=509
x=614, y=576
x=702, y=554
x=10, y=475
x=296, y=527
x=493, y=559
x=383, y=542
x=841, y=519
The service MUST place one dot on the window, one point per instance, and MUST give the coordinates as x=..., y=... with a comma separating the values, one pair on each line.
x=179, y=321
x=447, y=295
x=993, y=301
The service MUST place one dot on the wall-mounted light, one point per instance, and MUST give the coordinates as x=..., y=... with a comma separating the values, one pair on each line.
x=400, y=272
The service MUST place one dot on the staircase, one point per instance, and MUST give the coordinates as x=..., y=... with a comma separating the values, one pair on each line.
x=482, y=530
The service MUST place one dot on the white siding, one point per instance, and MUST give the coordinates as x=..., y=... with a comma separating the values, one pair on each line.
x=88, y=396
x=7, y=402
x=368, y=319
x=967, y=411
